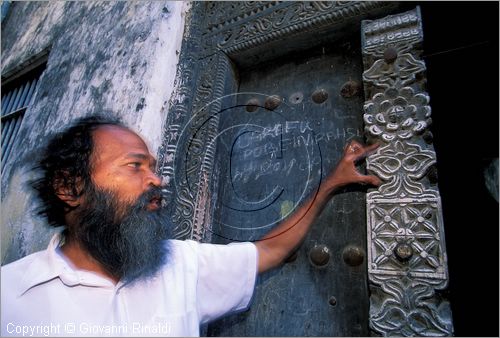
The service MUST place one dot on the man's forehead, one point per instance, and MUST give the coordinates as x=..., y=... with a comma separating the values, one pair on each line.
x=110, y=131
x=116, y=138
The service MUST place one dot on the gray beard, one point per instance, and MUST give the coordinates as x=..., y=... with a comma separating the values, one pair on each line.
x=128, y=240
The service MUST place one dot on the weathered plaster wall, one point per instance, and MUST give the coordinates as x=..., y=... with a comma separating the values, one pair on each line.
x=116, y=56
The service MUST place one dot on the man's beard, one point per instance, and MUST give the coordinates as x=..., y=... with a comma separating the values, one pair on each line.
x=126, y=238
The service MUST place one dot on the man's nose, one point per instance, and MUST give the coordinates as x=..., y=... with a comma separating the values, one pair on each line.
x=154, y=179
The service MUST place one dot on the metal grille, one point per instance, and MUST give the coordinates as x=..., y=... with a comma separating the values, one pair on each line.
x=14, y=104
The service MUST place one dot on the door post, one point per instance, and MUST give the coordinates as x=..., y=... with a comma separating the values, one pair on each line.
x=405, y=239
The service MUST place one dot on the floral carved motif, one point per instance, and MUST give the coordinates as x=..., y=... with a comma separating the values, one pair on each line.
x=412, y=310
x=401, y=72
x=401, y=165
x=397, y=114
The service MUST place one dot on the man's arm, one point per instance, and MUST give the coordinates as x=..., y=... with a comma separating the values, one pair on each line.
x=275, y=246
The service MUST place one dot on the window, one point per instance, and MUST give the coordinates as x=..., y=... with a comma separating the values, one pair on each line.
x=16, y=98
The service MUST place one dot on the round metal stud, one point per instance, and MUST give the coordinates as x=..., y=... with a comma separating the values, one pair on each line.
x=332, y=301
x=428, y=137
x=403, y=252
x=319, y=96
x=390, y=55
x=319, y=256
x=353, y=256
x=350, y=88
x=252, y=105
x=272, y=102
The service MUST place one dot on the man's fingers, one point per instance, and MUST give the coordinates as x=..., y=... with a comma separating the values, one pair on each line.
x=371, y=148
x=353, y=148
x=371, y=179
x=366, y=151
x=356, y=148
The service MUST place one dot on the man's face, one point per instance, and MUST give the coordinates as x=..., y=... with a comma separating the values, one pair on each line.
x=121, y=222
x=122, y=164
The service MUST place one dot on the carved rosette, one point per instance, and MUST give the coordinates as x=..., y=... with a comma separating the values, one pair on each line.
x=397, y=114
x=406, y=250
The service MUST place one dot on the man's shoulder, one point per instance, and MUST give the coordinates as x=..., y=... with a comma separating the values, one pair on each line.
x=190, y=250
x=182, y=249
x=181, y=246
x=177, y=244
x=189, y=244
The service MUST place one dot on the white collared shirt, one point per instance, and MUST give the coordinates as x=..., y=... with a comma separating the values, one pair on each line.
x=43, y=296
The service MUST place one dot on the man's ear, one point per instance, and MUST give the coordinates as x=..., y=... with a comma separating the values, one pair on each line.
x=71, y=195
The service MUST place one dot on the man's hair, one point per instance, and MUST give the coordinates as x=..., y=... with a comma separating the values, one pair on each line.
x=66, y=162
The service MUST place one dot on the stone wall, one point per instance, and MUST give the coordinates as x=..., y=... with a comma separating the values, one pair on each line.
x=114, y=57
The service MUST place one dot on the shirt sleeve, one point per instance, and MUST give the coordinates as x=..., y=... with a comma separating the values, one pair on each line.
x=226, y=278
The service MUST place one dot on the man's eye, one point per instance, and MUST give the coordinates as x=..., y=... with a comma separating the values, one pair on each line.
x=134, y=165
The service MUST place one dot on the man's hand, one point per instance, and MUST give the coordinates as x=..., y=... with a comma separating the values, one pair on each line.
x=275, y=246
x=346, y=172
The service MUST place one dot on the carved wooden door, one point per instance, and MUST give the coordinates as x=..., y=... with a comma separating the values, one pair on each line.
x=269, y=93
x=287, y=130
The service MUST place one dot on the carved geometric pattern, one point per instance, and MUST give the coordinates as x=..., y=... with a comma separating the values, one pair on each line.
x=406, y=250
x=191, y=153
x=284, y=18
x=202, y=223
x=182, y=206
x=412, y=226
x=400, y=31
x=263, y=22
x=219, y=12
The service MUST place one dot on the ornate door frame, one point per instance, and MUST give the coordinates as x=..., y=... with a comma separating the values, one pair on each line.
x=405, y=265
x=405, y=237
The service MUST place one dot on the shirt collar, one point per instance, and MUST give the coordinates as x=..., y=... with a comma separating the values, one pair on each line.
x=50, y=264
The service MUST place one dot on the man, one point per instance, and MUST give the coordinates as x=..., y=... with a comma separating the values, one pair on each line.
x=112, y=271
